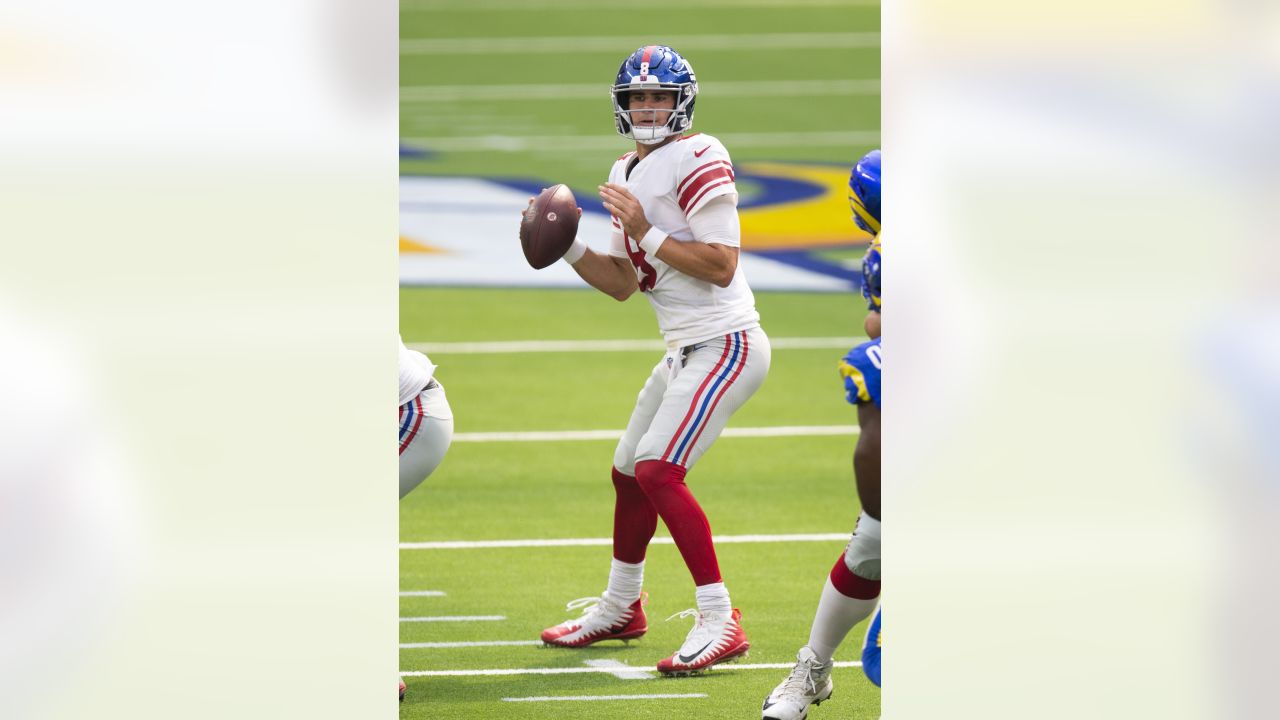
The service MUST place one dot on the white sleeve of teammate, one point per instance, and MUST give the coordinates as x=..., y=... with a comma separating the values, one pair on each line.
x=717, y=222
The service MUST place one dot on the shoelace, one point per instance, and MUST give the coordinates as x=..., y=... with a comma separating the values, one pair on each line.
x=801, y=680
x=691, y=612
x=591, y=605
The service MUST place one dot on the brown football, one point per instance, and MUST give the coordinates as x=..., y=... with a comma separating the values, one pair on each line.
x=549, y=226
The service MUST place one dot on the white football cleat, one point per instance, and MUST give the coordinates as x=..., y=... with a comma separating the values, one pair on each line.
x=602, y=619
x=808, y=684
x=715, y=638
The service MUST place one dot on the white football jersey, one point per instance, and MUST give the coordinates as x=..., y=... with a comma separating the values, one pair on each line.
x=415, y=372
x=672, y=183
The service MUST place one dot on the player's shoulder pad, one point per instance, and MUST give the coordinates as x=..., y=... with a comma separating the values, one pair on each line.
x=860, y=369
x=701, y=148
x=704, y=171
x=619, y=169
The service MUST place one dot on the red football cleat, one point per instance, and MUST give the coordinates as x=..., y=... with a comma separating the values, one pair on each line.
x=715, y=638
x=601, y=620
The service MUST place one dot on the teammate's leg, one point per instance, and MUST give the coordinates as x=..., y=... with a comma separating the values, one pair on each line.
x=426, y=430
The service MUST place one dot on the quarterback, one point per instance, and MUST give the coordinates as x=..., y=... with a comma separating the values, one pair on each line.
x=675, y=238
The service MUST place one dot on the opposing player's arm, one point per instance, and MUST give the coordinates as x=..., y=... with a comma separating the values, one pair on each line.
x=866, y=459
x=709, y=257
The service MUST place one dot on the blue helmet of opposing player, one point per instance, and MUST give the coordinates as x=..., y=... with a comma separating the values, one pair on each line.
x=654, y=67
x=871, y=275
x=864, y=192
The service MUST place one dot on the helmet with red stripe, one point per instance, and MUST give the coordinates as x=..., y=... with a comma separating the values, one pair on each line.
x=654, y=68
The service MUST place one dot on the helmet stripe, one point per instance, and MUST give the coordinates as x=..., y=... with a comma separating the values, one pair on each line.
x=644, y=61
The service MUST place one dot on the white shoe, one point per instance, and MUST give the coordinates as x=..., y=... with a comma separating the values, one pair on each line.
x=715, y=638
x=808, y=684
x=602, y=619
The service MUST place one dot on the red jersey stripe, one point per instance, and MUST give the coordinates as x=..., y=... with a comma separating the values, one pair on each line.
x=700, y=168
x=713, y=177
x=417, y=423
x=694, y=202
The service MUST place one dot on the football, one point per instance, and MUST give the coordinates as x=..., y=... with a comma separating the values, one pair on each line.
x=549, y=226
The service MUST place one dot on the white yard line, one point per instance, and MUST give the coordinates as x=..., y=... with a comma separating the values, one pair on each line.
x=564, y=435
x=453, y=618
x=601, y=141
x=621, y=670
x=595, y=91
x=659, y=696
x=586, y=542
x=532, y=346
x=421, y=593
x=611, y=43
x=477, y=643
x=577, y=670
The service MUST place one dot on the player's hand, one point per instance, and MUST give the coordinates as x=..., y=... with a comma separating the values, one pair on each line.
x=623, y=205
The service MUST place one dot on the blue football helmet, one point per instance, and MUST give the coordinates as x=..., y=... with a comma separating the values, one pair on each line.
x=654, y=67
x=871, y=275
x=864, y=192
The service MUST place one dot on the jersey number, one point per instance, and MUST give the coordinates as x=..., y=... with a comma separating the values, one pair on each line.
x=873, y=354
x=648, y=276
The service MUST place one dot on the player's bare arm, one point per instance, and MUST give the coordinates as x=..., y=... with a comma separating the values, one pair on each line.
x=610, y=275
x=866, y=459
x=712, y=262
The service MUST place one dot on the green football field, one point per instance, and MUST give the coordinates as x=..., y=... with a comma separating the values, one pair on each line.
x=560, y=489
x=506, y=88
x=519, y=89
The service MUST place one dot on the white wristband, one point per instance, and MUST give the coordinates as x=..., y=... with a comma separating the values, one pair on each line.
x=575, y=251
x=652, y=240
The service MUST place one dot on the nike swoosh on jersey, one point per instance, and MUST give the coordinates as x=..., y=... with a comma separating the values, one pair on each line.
x=690, y=658
x=698, y=153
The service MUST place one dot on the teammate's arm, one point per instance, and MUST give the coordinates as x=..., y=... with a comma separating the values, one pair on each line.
x=866, y=459
x=712, y=262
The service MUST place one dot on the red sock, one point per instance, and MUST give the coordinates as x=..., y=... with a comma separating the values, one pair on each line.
x=663, y=482
x=851, y=585
x=634, y=519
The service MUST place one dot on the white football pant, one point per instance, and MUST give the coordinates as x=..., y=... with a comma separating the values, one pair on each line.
x=426, y=429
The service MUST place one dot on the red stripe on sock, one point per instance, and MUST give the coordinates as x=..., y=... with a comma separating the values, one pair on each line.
x=850, y=585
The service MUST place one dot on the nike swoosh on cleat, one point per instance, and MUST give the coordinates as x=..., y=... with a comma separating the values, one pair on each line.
x=689, y=659
x=698, y=153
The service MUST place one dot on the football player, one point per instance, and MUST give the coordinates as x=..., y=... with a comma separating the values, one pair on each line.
x=675, y=239
x=426, y=425
x=426, y=422
x=852, y=589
